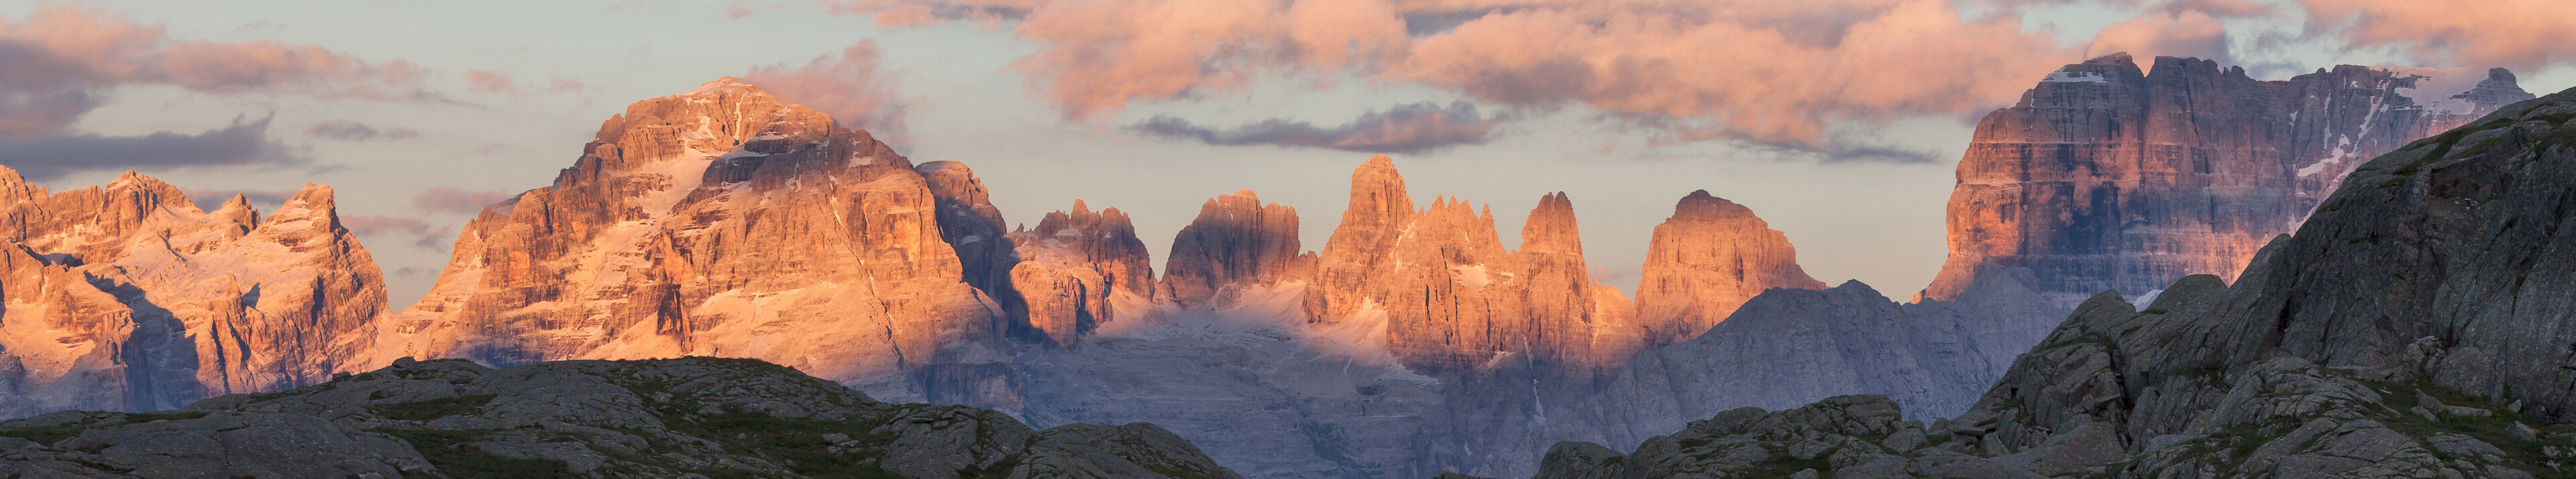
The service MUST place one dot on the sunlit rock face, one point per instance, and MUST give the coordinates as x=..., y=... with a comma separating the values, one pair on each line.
x=718, y=222
x=1451, y=296
x=128, y=297
x=2104, y=177
x=1706, y=260
x=1075, y=270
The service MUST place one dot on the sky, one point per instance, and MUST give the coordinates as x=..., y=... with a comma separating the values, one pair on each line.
x=1838, y=121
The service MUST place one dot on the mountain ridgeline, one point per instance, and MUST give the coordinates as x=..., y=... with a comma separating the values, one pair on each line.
x=722, y=222
x=2415, y=326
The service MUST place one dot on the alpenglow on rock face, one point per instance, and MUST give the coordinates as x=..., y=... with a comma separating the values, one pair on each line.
x=689, y=417
x=1706, y=260
x=2412, y=328
x=128, y=297
x=2104, y=177
x=1452, y=297
x=716, y=222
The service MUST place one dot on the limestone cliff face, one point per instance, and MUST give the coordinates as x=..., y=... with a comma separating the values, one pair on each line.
x=1236, y=241
x=1706, y=260
x=1074, y=270
x=717, y=222
x=129, y=297
x=1357, y=254
x=1452, y=297
x=974, y=228
x=2104, y=177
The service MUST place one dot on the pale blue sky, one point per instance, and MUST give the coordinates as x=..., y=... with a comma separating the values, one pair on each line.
x=1877, y=222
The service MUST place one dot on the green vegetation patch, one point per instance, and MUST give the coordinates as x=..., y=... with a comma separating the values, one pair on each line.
x=452, y=451
x=48, y=435
x=1784, y=465
x=2522, y=454
x=795, y=443
x=434, y=408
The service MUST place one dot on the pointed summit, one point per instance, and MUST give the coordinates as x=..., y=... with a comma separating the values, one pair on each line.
x=1237, y=241
x=1376, y=217
x=1706, y=260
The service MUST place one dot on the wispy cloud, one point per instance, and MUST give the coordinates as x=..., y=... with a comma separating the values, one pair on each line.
x=494, y=81
x=450, y=200
x=847, y=85
x=1772, y=72
x=1411, y=128
x=244, y=143
x=355, y=131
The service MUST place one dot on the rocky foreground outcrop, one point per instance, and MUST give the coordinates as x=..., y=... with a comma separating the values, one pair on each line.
x=2106, y=177
x=687, y=417
x=128, y=297
x=2416, y=326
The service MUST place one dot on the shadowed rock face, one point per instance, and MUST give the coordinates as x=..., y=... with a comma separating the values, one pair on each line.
x=657, y=418
x=2413, y=327
x=717, y=222
x=2104, y=177
x=1237, y=241
x=128, y=297
x=1074, y=270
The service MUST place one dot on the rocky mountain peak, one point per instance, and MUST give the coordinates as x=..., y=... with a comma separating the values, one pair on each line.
x=1551, y=228
x=712, y=223
x=141, y=301
x=1075, y=270
x=1236, y=241
x=1378, y=212
x=1706, y=260
x=2184, y=169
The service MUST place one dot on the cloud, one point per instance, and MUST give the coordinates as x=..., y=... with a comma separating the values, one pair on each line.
x=439, y=239
x=209, y=199
x=355, y=131
x=1765, y=72
x=420, y=233
x=62, y=62
x=378, y=225
x=1412, y=128
x=2190, y=33
x=244, y=143
x=494, y=81
x=1100, y=55
x=847, y=85
x=450, y=200
x=2519, y=34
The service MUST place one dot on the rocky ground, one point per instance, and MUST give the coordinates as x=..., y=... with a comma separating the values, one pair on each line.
x=689, y=417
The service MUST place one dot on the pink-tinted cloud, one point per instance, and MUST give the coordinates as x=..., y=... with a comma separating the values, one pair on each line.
x=494, y=81
x=1736, y=73
x=2522, y=34
x=2187, y=34
x=847, y=85
x=377, y=225
x=414, y=231
x=450, y=200
x=63, y=60
x=209, y=199
x=1766, y=73
x=1101, y=55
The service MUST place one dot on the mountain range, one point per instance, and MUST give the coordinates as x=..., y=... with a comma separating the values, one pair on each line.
x=722, y=222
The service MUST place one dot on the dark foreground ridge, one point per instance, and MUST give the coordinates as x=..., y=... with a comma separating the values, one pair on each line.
x=2421, y=324
x=689, y=417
